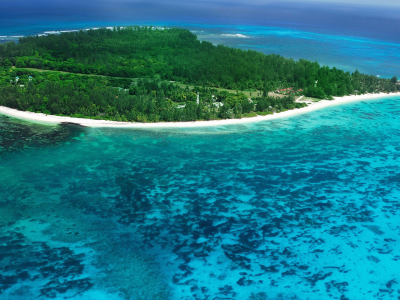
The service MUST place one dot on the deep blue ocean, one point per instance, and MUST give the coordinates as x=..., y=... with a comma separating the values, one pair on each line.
x=303, y=207
x=347, y=37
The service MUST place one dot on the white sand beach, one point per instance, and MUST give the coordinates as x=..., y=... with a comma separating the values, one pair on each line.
x=42, y=118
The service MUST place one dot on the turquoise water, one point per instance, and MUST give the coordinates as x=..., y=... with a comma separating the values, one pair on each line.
x=344, y=36
x=368, y=55
x=298, y=208
x=305, y=207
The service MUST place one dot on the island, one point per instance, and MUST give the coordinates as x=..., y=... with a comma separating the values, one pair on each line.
x=151, y=75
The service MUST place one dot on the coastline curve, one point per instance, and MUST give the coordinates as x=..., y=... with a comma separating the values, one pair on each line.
x=51, y=119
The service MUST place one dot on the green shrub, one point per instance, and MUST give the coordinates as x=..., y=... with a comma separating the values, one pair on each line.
x=329, y=97
x=264, y=113
x=250, y=115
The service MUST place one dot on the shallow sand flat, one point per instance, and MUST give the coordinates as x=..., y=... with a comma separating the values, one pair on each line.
x=39, y=117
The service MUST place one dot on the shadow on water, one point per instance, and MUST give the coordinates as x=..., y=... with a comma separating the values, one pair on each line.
x=17, y=135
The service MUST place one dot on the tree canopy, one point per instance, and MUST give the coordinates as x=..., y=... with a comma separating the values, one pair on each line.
x=130, y=73
x=176, y=54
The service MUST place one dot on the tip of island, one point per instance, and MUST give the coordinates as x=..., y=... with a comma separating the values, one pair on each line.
x=140, y=76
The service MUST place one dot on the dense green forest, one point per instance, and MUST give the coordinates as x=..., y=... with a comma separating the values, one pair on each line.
x=145, y=100
x=138, y=68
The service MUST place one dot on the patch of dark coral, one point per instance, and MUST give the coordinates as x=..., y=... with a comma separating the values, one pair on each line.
x=58, y=269
x=18, y=136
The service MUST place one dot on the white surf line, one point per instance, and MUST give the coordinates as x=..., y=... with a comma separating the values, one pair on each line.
x=42, y=118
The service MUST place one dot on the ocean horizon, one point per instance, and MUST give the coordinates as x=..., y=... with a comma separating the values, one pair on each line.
x=301, y=207
x=349, y=38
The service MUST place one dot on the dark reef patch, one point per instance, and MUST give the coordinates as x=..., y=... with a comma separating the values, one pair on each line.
x=17, y=136
x=52, y=270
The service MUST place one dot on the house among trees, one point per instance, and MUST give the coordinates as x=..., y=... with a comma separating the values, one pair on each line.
x=288, y=90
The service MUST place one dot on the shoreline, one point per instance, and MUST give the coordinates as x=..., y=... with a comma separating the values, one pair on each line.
x=50, y=119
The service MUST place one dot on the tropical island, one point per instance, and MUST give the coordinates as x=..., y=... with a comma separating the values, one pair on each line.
x=147, y=74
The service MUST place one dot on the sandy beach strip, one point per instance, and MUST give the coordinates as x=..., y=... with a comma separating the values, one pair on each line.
x=50, y=119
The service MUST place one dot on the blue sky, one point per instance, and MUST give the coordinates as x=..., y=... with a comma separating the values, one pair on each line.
x=247, y=2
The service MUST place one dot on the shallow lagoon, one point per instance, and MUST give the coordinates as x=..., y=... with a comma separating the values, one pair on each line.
x=298, y=208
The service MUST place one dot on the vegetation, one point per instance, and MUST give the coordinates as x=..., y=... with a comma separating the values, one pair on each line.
x=147, y=74
x=146, y=100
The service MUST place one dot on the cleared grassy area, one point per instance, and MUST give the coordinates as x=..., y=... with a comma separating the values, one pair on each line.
x=272, y=94
x=253, y=93
x=79, y=74
x=249, y=93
